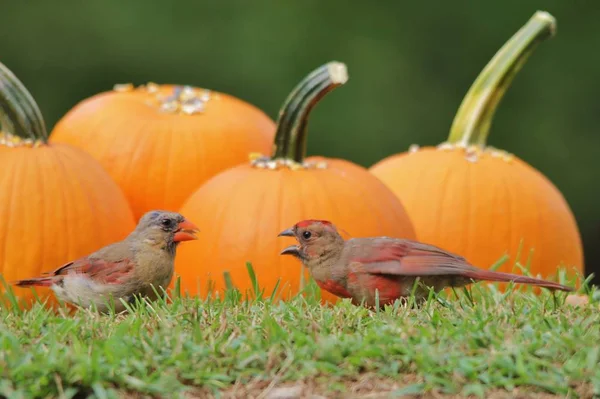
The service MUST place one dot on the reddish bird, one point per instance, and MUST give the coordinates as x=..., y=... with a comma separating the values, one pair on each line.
x=356, y=268
x=143, y=260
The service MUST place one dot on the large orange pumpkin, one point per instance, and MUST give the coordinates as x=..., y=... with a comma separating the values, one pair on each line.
x=479, y=201
x=56, y=202
x=243, y=209
x=159, y=143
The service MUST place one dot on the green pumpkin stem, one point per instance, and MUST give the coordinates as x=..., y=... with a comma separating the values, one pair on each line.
x=19, y=113
x=290, y=138
x=472, y=122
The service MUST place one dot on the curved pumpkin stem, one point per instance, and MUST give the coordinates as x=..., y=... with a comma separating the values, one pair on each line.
x=290, y=138
x=472, y=122
x=19, y=113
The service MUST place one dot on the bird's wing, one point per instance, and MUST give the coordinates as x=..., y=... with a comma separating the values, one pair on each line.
x=100, y=270
x=109, y=260
x=398, y=257
x=407, y=258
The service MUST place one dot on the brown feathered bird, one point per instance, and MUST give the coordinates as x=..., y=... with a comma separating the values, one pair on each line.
x=359, y=267
x=138, y=265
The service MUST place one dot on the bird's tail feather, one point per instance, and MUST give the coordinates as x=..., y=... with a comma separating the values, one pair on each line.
x=506, y=277
x=40, y=281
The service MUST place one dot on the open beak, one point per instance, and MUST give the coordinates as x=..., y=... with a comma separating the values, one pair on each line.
x=293, y=250
x=186, y=231
x=287, y=233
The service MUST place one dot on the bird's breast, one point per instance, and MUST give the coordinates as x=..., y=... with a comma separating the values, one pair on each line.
x=334, y=288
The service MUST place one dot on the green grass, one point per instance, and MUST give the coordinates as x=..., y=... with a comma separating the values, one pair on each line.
x=478, y=342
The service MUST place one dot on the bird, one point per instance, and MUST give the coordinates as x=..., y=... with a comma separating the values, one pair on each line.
x=139, y=265
x=364, y=269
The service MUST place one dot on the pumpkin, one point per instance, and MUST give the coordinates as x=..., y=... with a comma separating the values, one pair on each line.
x=481, y=202
x=244, y=208
x=160, y=142
x=56, y=202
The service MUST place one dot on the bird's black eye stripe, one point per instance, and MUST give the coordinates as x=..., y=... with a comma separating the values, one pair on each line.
x=306, y=235
x=166, y=222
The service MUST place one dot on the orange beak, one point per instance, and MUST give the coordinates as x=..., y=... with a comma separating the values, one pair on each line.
x=186, y=231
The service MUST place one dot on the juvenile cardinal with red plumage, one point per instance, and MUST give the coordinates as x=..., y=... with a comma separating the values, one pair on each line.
x=140, y=264
x=358, y=267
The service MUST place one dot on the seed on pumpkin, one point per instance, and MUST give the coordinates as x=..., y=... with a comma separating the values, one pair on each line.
x=413, y=148
x=205, y=95
x=507, y=157
x=254, y=156
x=187, y=93
x=123, y=87
x=473, y=148
x=169, y=106
x=193, y=106
x=152, y=87
x=173, y=97
x=472, y=153
x=472, y=157
x=445, y=146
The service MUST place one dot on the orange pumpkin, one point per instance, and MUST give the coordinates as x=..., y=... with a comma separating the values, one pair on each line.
x=244, y=208
x=159, y=143
x=56, y=202
x=481, y=202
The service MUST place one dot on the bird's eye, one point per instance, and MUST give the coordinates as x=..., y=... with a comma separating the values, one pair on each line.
x=306, y=235
x=166, y=222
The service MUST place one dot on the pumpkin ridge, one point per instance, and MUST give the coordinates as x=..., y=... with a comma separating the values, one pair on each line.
x=538, y=248
x=128, y=171
x=259, y=213
x=303, y=209
x=116, y=139
x=417, y=188
x=325, y=188
x=199, y=147
x=222, y=214
x=66, y=200
x=382, y=225
x=8, y=220
x=354, y=183
x=469, y=194
x=168, y=147
x=509, y=203
x=42, y=226
x=442, y=199
x=282, y=198
x=76, y=180
x=148, y=149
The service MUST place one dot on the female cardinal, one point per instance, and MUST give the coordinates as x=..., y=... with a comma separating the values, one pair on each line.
x=138, y=265
x=356, y=268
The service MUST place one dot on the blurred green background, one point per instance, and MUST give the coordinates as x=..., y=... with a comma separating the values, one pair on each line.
x=410, y=64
